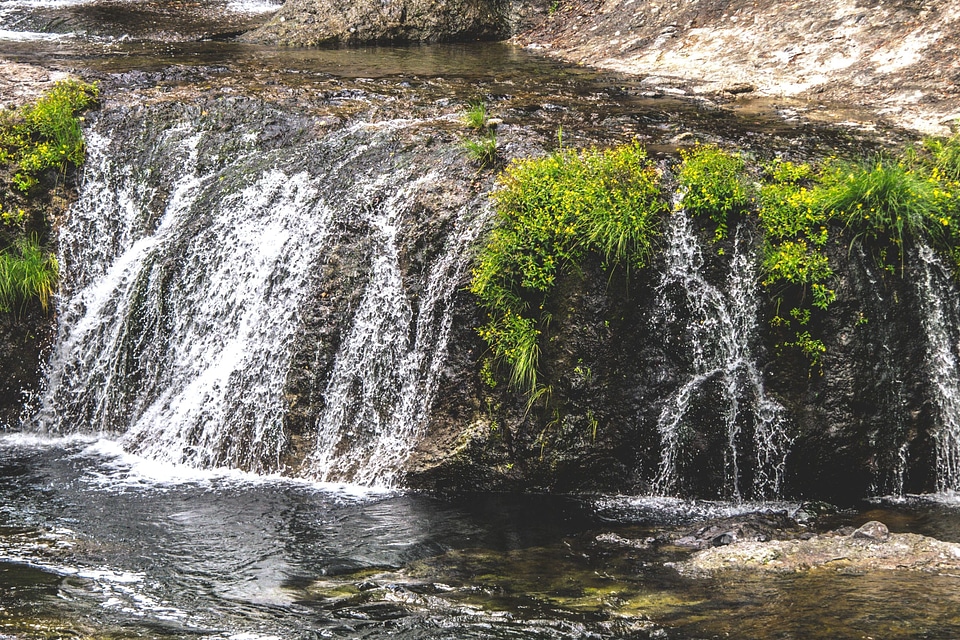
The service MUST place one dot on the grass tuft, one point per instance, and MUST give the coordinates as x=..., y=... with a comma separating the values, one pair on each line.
x=26, y=273
x=476, y=116
x=482, y=151
x=554, y=211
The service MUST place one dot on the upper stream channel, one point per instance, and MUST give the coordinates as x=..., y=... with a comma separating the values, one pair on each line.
x=128, y=507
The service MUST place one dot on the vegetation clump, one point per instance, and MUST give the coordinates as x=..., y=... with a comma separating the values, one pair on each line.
x=713, y=183
x=46, y=134
x=556, y=210
x=476, y=116
x=26, y=272
x=553, y=212
x=884, y=203
x=482, y=149
x=39, y=144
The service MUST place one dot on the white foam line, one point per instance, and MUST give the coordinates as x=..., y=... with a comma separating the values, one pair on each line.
x=698, y=508
x=124, y=470
x=31, y=36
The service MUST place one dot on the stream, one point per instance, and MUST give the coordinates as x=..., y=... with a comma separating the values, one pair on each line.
x=97, y=543
x=258, y=228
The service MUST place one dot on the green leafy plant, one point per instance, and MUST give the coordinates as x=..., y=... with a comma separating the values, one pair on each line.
x=794, y=263
x=713, y=183
x=552, y=212
x=46, y=134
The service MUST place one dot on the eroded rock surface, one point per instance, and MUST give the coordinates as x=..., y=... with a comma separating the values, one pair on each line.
x=897, y=59
x=316, y=22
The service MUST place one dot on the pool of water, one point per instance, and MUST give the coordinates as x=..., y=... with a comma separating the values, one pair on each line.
x=95, y=543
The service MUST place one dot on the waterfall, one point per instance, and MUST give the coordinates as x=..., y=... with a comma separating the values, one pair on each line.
x=188, y=261
x=385, y=373
x=940, y=318
x=718, y=326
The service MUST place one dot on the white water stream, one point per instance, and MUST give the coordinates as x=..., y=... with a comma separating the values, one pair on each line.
x=719, y=327
x=176, y=329
x=941, y=322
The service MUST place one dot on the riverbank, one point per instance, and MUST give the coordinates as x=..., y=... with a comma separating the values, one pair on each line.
x=884, y=62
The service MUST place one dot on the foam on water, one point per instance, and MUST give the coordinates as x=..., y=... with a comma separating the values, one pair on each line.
x=252, y=6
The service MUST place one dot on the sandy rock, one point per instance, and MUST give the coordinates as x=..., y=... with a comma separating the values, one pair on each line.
x=854, y=553
x=896, y=60
x=20, y=83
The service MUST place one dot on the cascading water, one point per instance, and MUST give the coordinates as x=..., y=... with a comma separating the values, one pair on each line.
x=185, y=280
x=382, y=382
x=941, y=322
x=719, y=327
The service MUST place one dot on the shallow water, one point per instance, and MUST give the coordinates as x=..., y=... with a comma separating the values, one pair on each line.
x=96, y=543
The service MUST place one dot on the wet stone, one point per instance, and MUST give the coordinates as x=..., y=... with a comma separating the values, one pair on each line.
x=873, y=530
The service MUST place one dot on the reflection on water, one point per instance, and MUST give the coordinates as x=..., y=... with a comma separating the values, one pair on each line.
x=96, y=543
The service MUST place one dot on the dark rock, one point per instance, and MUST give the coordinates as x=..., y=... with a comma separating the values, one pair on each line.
x=756, y=527
x=318, y=22
x=24, y=340
x=739, y=88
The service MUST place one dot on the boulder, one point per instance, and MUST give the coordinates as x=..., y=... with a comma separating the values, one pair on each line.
x=324, y=22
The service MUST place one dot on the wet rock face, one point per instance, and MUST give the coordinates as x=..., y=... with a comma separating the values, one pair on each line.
x=317, y=22
x=24, y=339
x=860, y=427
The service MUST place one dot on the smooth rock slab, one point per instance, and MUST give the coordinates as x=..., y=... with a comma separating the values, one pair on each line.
x=846, y=554
x=319, y=22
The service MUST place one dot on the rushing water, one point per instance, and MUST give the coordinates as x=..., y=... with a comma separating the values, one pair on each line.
x=941, y=322
x=187, y=281
x=719, y=331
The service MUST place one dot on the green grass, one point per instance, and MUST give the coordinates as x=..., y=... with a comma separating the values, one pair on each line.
x=37, y=141
x=883, y=201
x=482, y=151
x=945, y=156
x=476, y=116
x=27, y=272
